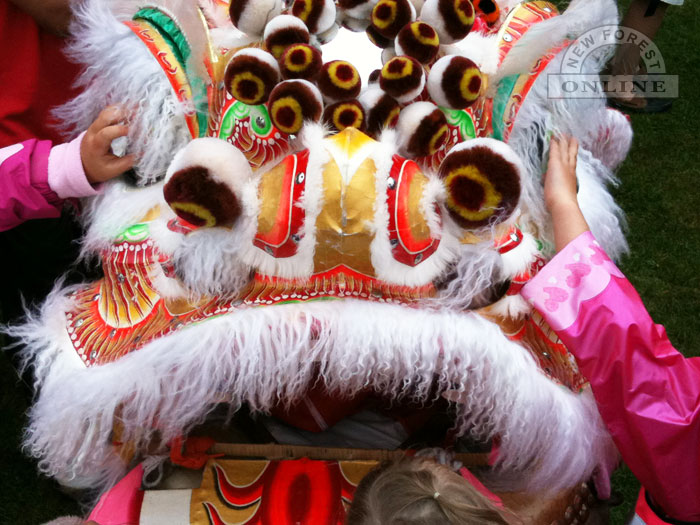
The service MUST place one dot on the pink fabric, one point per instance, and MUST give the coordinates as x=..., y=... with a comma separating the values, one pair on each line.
x=24, y=189
x=66, y=174
x=122, y=504
x=35, y=178
x=648, y=394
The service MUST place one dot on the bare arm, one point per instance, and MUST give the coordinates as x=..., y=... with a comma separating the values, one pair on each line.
x=560, y=192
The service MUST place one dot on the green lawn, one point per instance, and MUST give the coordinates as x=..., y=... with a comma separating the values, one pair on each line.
x=659, y=193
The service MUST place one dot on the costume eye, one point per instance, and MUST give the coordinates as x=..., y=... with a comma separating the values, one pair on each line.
x=260, y=120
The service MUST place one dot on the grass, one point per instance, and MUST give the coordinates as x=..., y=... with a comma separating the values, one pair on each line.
x=659, y=193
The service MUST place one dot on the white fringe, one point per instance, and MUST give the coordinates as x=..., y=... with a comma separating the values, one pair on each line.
x=264, y=355
x=120, y=70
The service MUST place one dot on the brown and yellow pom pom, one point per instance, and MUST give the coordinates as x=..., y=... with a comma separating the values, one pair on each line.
x=403, y=78
x=377, y=39
x=300, y=61
x=205, y=180
x=346, y=114
x=339, y=80
x=454, y=82
x=318, y=15
x=293, y=102
x=422, y=129
x=488, y=9
x=250, y=75
x=452, y=19
x=381, y=110
x=196, y=197
x=282, y=32
x=482, y=181
x=418, y=40
x=251, y=16
x=389, y=16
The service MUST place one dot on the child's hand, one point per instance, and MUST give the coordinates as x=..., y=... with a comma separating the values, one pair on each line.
x=99, y=163
x=560, y=191
x=560, y=179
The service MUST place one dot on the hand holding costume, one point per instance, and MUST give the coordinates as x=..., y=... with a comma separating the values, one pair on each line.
x=259, y=252
x=648, y=394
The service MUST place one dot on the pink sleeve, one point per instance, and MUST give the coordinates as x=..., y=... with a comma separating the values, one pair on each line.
x=24, y=188
x=646, y=391
x=35, y=178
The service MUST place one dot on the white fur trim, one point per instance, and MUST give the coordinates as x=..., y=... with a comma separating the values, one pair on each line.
x=261, y=355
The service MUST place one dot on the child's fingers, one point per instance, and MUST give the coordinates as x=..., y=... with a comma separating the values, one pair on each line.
x=109, y=116
x=573, y=151
x=106, y=135
x=119, y=165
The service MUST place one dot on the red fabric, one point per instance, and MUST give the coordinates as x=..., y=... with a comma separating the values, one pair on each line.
x=643, y=512
x=35, y=76
x=319, y=410
x=192, y=453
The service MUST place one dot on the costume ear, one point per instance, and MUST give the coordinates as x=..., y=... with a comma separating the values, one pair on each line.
x=204, y=183
x=482, y=182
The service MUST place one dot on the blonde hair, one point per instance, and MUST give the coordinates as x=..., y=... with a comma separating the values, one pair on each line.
x=421, y=492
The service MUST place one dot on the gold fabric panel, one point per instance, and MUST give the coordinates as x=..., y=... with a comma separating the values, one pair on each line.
x=343, y=232
x=270, y=194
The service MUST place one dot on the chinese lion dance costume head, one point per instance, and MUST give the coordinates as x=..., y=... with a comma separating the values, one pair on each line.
x=285, y=225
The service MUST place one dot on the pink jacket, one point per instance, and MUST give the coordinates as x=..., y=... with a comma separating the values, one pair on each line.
x=35, y=178
x=647, y=392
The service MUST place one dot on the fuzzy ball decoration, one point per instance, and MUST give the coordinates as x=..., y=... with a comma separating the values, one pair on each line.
x=482, y=182
x=250, y=75
x=358, y=9
x=454, y=82
x=418, y=40
x=378, y=39
x=373, y=77
x=282, y=32
x=292, y=102
x=389, y=16
x=403, y=78
x=488, y=9
x=204, y=181
x=422, y=129
x=300, y=61
x=339, y=80
x=318, y=15
x=196, y=197
x=346, y=114
x=381, y=110
x=251, y=16
x=452, y=19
